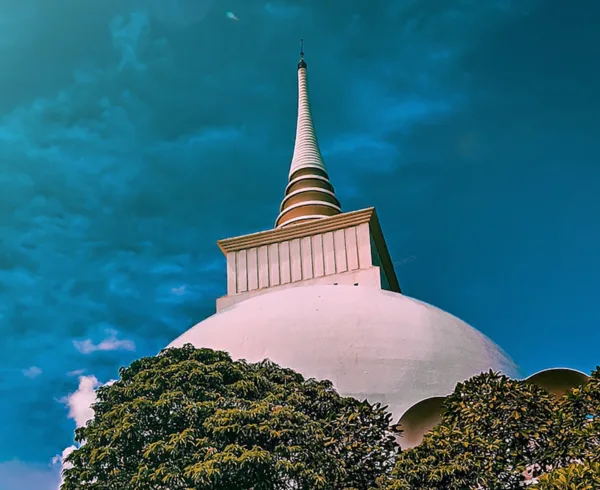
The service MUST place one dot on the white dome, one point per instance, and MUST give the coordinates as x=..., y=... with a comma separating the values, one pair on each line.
x=370, y=343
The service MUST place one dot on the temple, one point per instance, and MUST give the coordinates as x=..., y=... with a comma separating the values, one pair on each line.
x=318, y=294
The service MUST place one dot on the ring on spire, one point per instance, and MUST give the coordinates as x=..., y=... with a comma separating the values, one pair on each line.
x=309, y=194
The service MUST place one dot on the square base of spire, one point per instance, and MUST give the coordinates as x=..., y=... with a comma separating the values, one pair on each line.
x=347, y=248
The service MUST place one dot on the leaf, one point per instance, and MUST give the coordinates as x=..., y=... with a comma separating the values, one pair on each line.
x=193, y=418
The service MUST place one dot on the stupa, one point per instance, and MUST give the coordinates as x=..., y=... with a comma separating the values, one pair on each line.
x=318, y=293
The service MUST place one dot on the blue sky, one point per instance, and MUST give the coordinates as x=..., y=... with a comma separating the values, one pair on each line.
x=134, y=134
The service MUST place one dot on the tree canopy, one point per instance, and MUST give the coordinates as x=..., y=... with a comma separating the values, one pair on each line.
x=194, y=419
x=577, y=417
x=500, y=434
x=493, y=428
x=577, y=476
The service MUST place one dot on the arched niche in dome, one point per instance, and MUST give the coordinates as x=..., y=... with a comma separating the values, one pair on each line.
x=420, y=419
x=558, y=381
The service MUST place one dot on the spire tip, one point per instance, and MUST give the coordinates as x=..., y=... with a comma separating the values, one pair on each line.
x=302, y=63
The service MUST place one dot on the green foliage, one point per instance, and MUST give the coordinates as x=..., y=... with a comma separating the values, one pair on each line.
x=584, y=476
x=194, y=419
x=492, y=429
x=578, y=423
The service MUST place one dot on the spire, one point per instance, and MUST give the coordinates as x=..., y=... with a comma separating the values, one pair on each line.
x=309, y=195
x=301, y=63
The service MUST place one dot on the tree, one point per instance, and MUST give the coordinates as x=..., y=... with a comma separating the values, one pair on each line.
x=584, y=476
x=194, y=419
x=578, y=423
x=493, y=428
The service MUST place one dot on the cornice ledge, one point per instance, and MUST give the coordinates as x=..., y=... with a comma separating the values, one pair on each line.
x=301, y=230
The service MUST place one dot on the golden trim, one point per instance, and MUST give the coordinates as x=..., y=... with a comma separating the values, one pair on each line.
x=276, y=235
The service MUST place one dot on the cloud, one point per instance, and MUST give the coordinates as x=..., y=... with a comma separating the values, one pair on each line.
x=18, y=475
x=81, y=410
x=32, y=372
x=129, y=36
x=59, y=460
x=80, y=402
x=136, y=137
x=111, y=343
x=113, y=170
x=362, y=150
x=76, y=372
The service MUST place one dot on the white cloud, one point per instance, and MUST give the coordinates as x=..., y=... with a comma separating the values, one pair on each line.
x=80, y=410
x=108, y=344
x=17, y=475
x=32, y=372
x=76, y=372
x=59, y=459
x=80, y=402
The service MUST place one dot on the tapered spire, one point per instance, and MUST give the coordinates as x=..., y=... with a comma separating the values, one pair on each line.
x=309, y=195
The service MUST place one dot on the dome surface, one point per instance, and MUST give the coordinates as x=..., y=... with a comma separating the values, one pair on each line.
x=370, y=343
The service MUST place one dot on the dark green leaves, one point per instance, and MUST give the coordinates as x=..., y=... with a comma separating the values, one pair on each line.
x=194, y=419
x=497, y=433
x=492, y=429
x=580, y=476
x=578, y=415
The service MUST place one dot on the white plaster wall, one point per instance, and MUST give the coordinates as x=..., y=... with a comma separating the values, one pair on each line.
x=300, y=259
x=370, y=277
x=370, y=343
